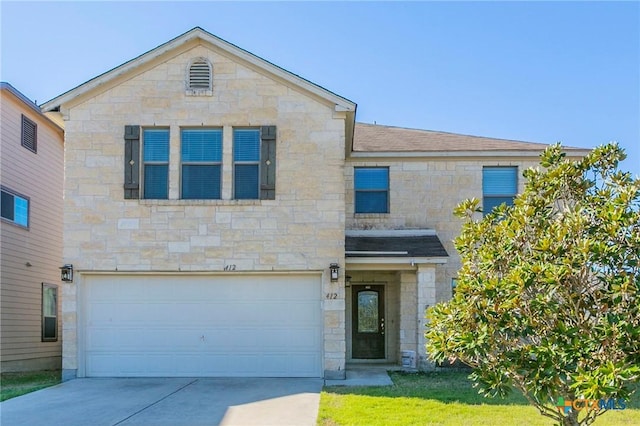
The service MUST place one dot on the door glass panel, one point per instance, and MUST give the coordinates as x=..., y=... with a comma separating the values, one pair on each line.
x=368, y=312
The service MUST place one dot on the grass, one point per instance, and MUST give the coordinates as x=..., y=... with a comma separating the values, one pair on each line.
x=441, y=398
x=16, y=384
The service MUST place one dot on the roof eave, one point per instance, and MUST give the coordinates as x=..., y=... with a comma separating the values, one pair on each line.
x=29, y=104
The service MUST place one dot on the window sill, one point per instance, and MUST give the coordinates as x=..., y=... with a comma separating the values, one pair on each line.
x=199, y=92
x=371, y=215
x=201, y=202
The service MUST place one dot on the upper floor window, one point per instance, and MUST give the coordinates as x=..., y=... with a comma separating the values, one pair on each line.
x=246, y=163
x=199, y=78
x=29, y=135
x=499, y=186
x=14, y=207
x=147, y=173
x=155, y=155
x=201, y=163
x=371, y=189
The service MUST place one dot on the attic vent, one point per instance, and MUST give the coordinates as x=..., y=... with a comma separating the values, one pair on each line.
x=199, y=78
x=29, y=138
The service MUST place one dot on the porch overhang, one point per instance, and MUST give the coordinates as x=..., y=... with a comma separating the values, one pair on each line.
x=392, y=249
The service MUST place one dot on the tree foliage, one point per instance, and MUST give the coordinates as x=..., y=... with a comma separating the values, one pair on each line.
x=548, y=295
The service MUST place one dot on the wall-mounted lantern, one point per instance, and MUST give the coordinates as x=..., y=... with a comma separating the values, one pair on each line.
x=66, y=273
x=334, y=271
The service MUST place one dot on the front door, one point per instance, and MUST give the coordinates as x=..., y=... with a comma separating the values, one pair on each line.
x=368, y=322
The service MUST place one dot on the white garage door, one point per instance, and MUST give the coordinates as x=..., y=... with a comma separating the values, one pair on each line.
x=256, y=326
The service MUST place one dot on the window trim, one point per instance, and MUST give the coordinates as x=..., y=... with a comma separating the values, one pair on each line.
x=493, y=196
x=28, y=121
x=202, y=163
x=44, y=315
x=387, y=191
x=257, y=162
x=19, y=195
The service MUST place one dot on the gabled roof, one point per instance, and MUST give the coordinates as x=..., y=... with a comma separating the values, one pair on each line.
x=198, y=34
x=372, y=138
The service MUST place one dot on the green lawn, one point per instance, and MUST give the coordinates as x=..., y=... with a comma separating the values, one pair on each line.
x=16, y=384
x=442, y=398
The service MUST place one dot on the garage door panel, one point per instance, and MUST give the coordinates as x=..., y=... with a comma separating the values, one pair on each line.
x=101, y=338
x=268, y=326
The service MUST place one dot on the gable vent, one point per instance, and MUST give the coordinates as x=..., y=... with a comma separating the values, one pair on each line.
x=200, y=75
x=29, y=137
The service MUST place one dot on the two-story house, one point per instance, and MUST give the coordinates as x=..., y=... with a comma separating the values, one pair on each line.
x=31, y=174
x=225, y=217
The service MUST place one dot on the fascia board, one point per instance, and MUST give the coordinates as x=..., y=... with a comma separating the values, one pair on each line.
x=394, y=260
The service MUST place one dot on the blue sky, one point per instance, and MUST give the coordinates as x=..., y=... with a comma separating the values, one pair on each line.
x=536, y=71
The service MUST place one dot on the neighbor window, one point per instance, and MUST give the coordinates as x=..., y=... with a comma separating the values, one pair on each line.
x=499, y=186
x=49, y=312
x=246, y=164
x=14, y=207
x=155, y=154
x=201, y=163
x=29, y=135
x=371, y=189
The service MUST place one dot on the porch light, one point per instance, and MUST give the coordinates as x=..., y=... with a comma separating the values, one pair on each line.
x=334, y=271
x=66, y=273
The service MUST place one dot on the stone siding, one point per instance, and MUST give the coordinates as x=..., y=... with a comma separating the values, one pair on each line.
x=423, y=194
x=301, y=230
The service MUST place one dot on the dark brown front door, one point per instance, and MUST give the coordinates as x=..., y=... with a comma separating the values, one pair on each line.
x=368, y=322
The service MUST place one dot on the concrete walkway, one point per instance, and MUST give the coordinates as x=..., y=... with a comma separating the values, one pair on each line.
x=168, y=401
x=365, y=375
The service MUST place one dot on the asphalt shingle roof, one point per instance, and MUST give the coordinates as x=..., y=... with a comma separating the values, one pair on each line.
x=378, y=138
x=414, y=246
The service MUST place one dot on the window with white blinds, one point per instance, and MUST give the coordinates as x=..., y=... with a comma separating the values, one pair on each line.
x=499, y=186
x=155, y=155
x=201, y=156
x=246, y=164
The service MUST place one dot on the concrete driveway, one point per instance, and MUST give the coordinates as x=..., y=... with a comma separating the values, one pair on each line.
x=168, y=401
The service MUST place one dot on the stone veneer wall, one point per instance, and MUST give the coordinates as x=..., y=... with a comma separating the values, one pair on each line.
x=423, y=194
x=301, y=230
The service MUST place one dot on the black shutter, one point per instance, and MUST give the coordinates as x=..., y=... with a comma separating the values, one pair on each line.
x=268, y=163
x=131, y=162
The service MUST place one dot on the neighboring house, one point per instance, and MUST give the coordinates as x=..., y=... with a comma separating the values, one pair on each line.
x=210, y=197
x=31, y=176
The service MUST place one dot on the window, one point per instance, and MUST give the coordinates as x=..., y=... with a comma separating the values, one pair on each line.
x=49, y=312
x=14, y=207
x=246, y=163
x=499, y=185
x=201, y=163
x=372, y=189
x=29, y=136
x=156, y=163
